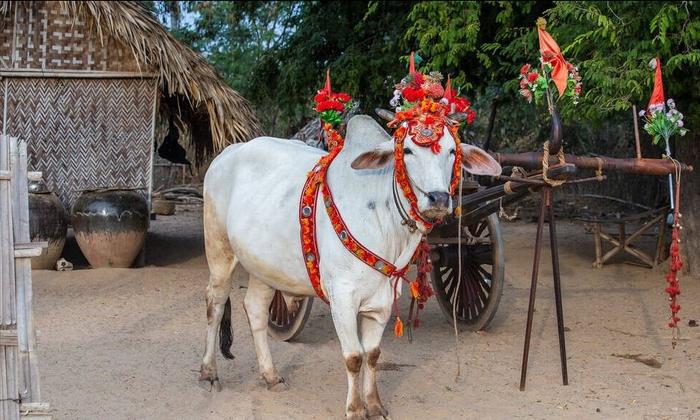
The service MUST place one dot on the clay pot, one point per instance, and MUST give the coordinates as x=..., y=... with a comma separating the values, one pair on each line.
x=110, y=226
x=48, y=222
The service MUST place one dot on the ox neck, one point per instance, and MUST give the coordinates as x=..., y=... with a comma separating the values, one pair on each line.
x=376, y=222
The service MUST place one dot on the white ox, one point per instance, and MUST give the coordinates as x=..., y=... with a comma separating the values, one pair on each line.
x=251, y=210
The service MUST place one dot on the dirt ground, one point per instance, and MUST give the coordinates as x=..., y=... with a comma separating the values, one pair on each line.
x=127, y=344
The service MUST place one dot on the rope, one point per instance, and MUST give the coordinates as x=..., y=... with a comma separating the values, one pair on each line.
x=459, y=282
x=507, y=188
x=599, y=172
x=502, y=212
x=518, y=172
x=545, y=165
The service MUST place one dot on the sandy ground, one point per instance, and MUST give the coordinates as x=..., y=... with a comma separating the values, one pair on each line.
x=127, y=344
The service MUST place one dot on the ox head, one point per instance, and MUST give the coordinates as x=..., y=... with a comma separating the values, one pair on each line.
x=430, y=169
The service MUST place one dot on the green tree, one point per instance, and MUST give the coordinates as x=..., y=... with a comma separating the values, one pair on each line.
x=612, y=42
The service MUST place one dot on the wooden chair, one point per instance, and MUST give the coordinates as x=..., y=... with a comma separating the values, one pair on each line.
x=622, y=241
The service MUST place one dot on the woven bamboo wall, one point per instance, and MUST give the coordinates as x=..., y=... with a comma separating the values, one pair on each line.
x=39, y=35
x=83, y=133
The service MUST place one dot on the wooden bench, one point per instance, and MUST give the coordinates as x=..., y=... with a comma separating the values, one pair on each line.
x=622, y=241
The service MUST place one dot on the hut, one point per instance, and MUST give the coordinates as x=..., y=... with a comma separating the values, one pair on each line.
x=87, y=83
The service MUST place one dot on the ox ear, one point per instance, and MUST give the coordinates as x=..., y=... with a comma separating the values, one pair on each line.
x=375, y=158
x=476, y=161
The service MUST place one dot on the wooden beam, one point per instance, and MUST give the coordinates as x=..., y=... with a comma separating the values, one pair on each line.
x=533, y=160
x=76, y=74
x=8, y=337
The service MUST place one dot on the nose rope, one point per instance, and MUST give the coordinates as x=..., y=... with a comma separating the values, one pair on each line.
x=405, y=218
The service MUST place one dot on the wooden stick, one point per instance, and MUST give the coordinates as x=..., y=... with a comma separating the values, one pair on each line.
x=533, y=160
x=636, y=132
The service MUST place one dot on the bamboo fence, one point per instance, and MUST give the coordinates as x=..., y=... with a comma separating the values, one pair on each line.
x=19, y=374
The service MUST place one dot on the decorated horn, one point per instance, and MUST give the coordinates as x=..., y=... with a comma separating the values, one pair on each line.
x=385, y=114
x=458, y=116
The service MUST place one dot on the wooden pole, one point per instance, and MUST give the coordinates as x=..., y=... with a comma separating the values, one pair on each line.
x=9, y=373
x=636, y=132
x=23, y=276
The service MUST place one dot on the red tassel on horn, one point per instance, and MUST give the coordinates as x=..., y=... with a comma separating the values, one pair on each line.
x=449, y=95
x=328, y=81
x=412, y=64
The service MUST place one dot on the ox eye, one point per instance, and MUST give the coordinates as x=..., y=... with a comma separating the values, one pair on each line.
x=407, y=151
x=452, y=151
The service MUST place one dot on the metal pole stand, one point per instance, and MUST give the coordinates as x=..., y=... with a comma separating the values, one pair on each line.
x=546, y=207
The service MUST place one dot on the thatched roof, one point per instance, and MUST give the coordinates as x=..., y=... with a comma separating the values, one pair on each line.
x=182, y=73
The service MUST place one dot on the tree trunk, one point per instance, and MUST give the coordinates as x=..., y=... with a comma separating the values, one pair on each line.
x=688, y=151
x=489, y=130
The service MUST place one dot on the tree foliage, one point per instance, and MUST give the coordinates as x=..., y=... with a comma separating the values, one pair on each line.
x=275, y=53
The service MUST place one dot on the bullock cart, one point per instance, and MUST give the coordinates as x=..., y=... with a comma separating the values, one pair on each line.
x=473, y=297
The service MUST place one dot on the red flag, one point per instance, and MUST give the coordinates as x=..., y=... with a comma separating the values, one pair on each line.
x=552, y=54
x=657, y=96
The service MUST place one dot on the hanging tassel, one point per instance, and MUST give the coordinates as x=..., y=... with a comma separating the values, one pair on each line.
x=398, y=327
x=415, y=289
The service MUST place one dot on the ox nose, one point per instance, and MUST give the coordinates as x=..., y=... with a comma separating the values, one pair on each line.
x=438, y=199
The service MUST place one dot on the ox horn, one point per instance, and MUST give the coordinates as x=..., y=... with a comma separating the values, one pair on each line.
x=458, y=116
x=385, y=114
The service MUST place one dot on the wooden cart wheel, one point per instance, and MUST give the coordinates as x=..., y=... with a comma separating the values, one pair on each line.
x=287, y=317
x=482, y=275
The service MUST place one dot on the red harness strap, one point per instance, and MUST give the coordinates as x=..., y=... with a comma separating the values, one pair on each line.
x=315, y=182
x=431, y=129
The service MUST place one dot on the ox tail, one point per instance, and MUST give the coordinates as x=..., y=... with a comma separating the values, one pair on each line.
x=226, y=331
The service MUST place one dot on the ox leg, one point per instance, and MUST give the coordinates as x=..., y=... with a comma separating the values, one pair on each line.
x=257, y=307
x=345, y=321
x=218, y=292
x=372, y=328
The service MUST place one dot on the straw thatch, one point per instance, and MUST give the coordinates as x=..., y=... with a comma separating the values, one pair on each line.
x=217, y=114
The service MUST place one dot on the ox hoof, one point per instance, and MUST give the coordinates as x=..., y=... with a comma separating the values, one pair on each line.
x=378, y=412
x=356, y=414
x=209, y=377
x=211, y=384
x=276, y=385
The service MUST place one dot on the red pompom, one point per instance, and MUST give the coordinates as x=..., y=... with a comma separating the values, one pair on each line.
x=524, y=69
x=531, y=77
x=471, y=115
x=461, y=104
x=326, y=105
x=342, y=97
x=413, y=95
x=434, y=90
x=320, y=97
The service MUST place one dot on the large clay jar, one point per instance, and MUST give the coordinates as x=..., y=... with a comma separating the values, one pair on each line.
x=48, y=222
x=110, y=226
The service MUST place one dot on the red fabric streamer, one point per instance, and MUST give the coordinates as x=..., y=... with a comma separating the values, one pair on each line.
x=657, y=96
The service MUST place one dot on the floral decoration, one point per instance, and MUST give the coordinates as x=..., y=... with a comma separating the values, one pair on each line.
x=663, y=121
